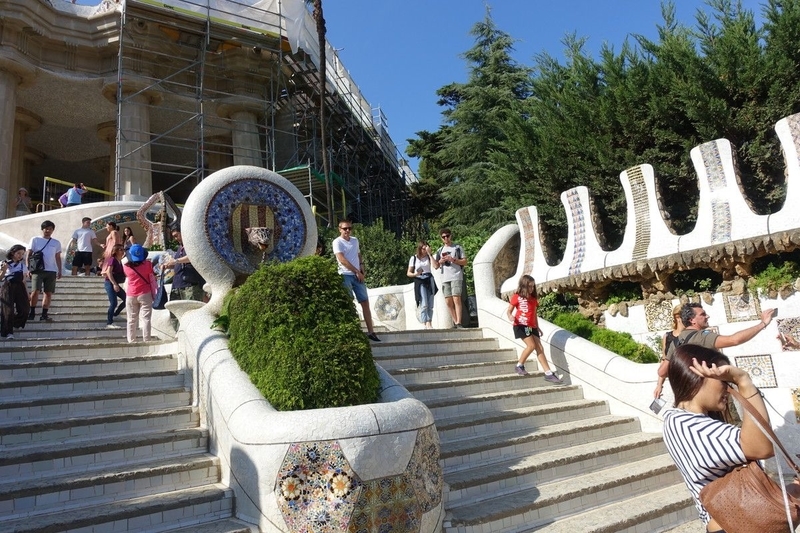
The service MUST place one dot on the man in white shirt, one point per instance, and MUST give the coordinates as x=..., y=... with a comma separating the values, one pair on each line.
x=84, y=237
x=450, y=257
x=348, y=255
x=44, y=278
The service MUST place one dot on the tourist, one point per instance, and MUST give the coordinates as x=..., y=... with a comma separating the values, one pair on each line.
x=142, y=288
x=419, y=268
x=128, y=239
x=114, y=275
x=84, y=238
x=522, y=312
x=112, y=239
x=44, y=273
x=702, y=444
x=450, y=258
x=23, y=202
x=670, y=338
x=14, y=293
x=348, y=257
x=187, y=283
x=75, y=194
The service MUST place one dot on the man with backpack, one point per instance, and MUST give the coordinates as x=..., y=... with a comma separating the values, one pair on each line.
x=44, y=264
x=451, y=260
x=695, y=320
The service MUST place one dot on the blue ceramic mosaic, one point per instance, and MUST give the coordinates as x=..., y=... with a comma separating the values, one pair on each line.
x=222, y=231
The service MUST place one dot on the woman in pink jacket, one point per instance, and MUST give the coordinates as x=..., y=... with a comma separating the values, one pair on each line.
x=142, y=288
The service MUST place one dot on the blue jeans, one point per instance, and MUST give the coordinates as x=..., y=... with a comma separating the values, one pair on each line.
x=112, y=300
x=425, y=304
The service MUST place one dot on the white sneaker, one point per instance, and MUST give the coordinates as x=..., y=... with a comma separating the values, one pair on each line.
x=113, y=326
x=8, y=337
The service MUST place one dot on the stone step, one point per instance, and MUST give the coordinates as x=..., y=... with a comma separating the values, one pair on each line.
x=412, y=375
x=512, y=473
x=399, y=363
x=37, y=496
x=106, y=364
x=82, y=349
x=25, y=341
x=88, y=428
x=58, y=385
x=450, y=404
x=229, y=525
x=654, y=511
x=44, y=459
x=471, y=386
x=72, y=322
x=488, y=422
x=388, y=350
x=92, y=402
x=476, y=450
x=429, y=337
x=534, y=507
x=153, y=513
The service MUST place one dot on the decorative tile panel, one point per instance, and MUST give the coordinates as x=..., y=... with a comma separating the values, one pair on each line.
x=424, y=469
x=579, y=231
x=387, y=505
x=760, y=369
x=720, y=222
x=741, y=307
x=388, y=307
x=641, y=212
x=658, y=316
x=529, y=238
x=712, y=160
x=796, y=403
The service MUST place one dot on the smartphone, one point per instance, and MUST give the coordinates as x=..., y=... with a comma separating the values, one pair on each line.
x=445, y=254
x=657, y=405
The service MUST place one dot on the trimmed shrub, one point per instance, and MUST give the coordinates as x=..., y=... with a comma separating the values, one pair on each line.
x=620, y=343
x=295, y=332
x=576, y=323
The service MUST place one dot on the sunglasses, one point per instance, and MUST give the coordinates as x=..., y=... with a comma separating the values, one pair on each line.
x=348, y=228
x=446, y=235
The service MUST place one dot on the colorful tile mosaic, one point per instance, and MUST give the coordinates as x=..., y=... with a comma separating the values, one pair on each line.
x=424, y=469
x=387, y=505
x=741, y=307
x=641, y=211
x=254, y=203
x=789, y=333
x=712, y=161
x=316, y=489
x=388, y=307
x=658, y=316
x=760, y=369
x=796, y=403
x=526, y=223
x=720, y=222
x=579, y=231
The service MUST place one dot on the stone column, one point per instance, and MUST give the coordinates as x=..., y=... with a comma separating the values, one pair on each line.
x=12, y=75
x=107, y=132
x=25, y=121
x=244, y=114
x=218, y=152
x=134, y=181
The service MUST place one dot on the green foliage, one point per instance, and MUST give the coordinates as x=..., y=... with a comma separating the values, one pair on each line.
x=774, y=276
x=624, y=291
x=691, y=282
x=621, y=344
x=223, y=321
x=385, y=256
x=295, y=332
x=513, y=135
x=553, y=304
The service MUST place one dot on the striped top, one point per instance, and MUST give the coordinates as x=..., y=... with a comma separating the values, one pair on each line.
x=703, y=449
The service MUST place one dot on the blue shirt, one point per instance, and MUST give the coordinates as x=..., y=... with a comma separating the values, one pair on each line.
x=74, y=195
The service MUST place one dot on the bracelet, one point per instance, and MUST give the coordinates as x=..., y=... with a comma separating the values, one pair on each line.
x=756, y=393
x=765, y=324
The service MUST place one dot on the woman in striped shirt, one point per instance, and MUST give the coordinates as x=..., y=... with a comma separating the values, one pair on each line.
x=702, y=444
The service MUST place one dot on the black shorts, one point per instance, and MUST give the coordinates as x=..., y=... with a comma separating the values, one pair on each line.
x=82, y=259
x=521, y=332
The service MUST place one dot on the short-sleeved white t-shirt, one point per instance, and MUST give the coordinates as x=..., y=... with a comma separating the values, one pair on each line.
x=83, y=237
x=424, y=264
x=350, y=250
x=451, y=272
x=49, y=251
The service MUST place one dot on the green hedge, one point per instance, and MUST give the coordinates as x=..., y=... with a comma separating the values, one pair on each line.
x=620, y=343
x=295, y=332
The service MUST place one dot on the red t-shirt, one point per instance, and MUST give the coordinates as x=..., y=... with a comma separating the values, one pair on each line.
x=525, y=313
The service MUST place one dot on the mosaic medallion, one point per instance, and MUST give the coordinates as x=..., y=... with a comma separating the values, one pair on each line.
x=658, y=316
x=388, y=307
x=789, y=333
x=760, y=369
x=741, y=307
x=424, y=469
x=316, y=489
x=254, y=204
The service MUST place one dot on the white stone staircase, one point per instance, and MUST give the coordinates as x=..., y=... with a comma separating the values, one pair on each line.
x=520, y=454
x=97, y=435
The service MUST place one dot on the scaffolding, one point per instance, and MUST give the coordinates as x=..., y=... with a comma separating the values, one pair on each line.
x=205, y=84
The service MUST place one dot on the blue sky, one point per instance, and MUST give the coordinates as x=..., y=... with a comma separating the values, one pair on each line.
x=399, y=52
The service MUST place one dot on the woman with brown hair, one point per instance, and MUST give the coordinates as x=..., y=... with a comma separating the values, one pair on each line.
x=703, y=445
x=419, y=268
x=670, y=337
